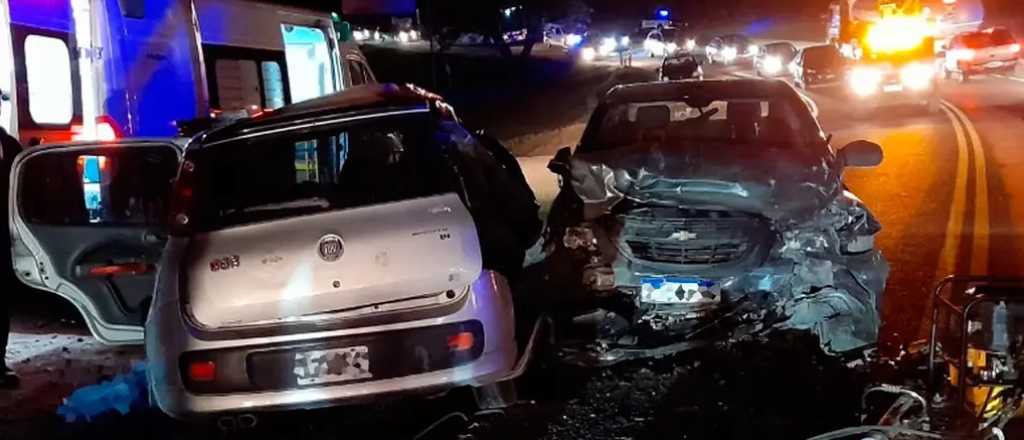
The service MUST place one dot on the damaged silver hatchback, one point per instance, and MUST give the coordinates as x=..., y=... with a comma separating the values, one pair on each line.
x=694, y=212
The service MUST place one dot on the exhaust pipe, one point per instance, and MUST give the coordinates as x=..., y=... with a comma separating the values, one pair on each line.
x=237, y=422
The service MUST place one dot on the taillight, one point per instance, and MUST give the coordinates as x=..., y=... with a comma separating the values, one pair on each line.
x=1015, y=48
x=461, y=341
x=202, y=371
x=106, y=130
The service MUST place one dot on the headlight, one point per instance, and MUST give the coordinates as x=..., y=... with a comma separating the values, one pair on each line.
x=772, y=64
x=690, y=44
x=624, y=41
x=403, y=37
x=573, y=39
x=359, y=35
x=588, y=54
x=917, y=76
x=413, y=35
x=671, y=47
x=865, y=80
x=607, y=47
x=712, y=50
x=729, y=53
x=752, y=49
x=654, y=46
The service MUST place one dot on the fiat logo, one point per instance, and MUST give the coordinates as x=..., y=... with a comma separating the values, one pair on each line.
x=330, y=247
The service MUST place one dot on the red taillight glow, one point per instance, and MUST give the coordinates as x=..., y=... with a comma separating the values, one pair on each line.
x=106, y=130
x=461, y=341
x=202, y=371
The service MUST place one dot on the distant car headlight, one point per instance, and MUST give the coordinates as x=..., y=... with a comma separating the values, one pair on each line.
x=752, y=49
x=572, y=40
x=588, y=54
x=403, y=36
x=624, y=41
x=865, y=80
x=712, y=50
x=654, y=46
x=917, y=76
x=360, y=35
x=729, y=53
x=414, y=36
x=671, y=47
x=691, y=44
x=772, y=64
x=608, y=46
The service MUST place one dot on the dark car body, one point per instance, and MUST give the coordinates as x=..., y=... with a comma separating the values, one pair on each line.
x=815, y=66
x=698, y=202
x=680, y=67
x=992, y=50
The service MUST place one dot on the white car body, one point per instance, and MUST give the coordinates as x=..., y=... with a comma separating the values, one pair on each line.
x=348, y=302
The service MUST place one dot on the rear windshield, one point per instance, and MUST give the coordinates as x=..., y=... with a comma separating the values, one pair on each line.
x=756, y=121
x=300, y=172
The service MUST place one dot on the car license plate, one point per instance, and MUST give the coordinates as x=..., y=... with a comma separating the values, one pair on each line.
x=332, y=365
x=677, y=290
x=994, y=64
x=893, y=88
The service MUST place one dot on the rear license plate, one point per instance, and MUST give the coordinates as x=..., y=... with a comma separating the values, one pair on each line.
x=994, y=64
x=677, y=290
x=333, y=365
x=892, y=88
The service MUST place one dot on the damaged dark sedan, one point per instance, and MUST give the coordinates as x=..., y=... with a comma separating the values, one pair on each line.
x=699, y=212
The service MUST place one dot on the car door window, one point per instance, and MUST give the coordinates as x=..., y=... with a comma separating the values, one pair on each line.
x=89, y=188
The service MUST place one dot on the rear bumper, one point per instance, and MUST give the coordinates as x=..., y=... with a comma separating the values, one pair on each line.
x=903, y=96
x=262, y=380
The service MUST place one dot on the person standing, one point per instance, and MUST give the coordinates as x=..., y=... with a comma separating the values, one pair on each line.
x=9, y=147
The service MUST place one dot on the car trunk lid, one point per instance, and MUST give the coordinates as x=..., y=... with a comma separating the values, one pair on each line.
x=333, y=261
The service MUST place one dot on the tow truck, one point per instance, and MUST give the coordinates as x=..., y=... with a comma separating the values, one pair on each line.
x=890, y=47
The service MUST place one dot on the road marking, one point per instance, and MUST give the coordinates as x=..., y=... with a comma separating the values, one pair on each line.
x=955, y=224
x=979, y=254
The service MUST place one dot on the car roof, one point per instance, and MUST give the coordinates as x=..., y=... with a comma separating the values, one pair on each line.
x=720, y=88
x=359, y=99
x=179, y=142
x=818, y=47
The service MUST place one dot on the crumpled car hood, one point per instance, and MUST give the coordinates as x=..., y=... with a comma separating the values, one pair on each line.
x=781, y=184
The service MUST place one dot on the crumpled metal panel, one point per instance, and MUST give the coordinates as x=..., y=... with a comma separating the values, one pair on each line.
x=822, y=273
x=753, y=180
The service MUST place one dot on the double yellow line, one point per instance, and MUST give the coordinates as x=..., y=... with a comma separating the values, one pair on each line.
x=968, y=147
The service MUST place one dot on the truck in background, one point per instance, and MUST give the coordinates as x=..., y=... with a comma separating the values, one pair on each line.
x=103, y=69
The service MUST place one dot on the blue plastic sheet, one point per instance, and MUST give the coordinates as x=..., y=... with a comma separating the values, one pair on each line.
x=123, y=393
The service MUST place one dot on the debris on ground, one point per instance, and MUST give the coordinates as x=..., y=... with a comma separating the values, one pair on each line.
x=123, y=393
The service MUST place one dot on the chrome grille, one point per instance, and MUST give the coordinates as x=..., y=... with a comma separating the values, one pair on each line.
x=690, y=236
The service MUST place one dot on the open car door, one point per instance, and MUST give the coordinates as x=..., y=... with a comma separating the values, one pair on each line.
x=87, y=223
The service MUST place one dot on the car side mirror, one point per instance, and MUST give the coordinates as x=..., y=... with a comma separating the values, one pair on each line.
x=560, y=163
x=861, y=154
